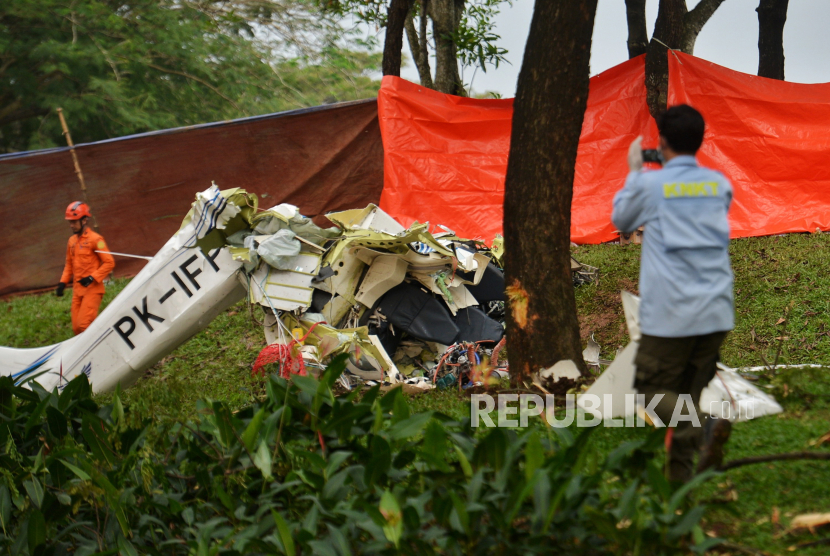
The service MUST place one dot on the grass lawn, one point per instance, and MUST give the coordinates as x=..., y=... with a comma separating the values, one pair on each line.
x=781, y=302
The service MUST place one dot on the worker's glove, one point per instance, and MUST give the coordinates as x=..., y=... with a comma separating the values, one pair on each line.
x=86, y=281
x=60, y=288
x=635, y=155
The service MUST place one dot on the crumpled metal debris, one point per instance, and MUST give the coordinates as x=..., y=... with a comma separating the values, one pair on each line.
x=583, y=273
x=393, y=298
x=406, y=304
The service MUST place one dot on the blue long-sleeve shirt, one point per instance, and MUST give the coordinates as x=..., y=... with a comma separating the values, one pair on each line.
x=685, y=274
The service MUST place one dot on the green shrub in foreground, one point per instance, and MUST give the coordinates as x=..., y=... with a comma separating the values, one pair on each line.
x=305, y=472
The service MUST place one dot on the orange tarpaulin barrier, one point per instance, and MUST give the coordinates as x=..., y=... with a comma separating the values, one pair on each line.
x=769, y=137
x=445, y=157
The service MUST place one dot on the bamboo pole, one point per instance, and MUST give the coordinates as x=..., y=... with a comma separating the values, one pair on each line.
x=78, y=171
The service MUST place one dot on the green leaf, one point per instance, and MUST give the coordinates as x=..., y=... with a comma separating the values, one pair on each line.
x=224, y=424
x=126, y=548
x=36, y=530
x=35, y=416
x=95, y=433
x=465, y=463
x=306, y=384
x=391, y=511
x=262, y=459
x=79, y=472
x=706, y=545
x=117, y=407
x=5, y=507
x=336, y=459
x=284, y=534
x=253, y=428
x=689, y=520
x=534, y=455
x=680, y=494
x=409, y=427
x=35, y=491
x=58, y=425
x=461, y=514
x=381, y=459
x=400, y=410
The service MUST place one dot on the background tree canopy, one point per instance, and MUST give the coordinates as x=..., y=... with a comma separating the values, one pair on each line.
x=123, y=67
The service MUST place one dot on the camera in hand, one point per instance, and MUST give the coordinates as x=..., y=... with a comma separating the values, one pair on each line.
x=653, y=156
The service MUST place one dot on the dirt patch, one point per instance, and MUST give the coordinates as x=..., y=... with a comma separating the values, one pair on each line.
x=607, y=321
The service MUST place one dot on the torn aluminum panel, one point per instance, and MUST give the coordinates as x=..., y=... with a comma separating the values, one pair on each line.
x=285, y=290
x=369, y=218
x=591, y=353
x=616, y=383
x=343, y=277
x=385, y=272
x=398, y=244
x=730, y=396
x=631, y=308
x=562, y=369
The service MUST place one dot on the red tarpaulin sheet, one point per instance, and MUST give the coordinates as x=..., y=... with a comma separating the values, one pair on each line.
x=445, y=157
x=321, y=159
x=769, y=137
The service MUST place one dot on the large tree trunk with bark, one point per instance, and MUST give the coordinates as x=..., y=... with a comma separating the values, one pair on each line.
x=393, y=44
x=551, y=97
x=772, y=15
x=635, y=14
x=676, y=28
x=446, y=17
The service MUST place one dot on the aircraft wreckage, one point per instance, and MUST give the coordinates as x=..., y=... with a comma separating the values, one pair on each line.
x=367, y=286
x=407, y=305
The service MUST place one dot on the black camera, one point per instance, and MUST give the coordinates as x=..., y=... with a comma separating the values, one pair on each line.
x=653, y=156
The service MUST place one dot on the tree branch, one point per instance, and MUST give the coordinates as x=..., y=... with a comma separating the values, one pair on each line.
x=15, y=112
x=198, y=80
x=635, y=15
x=694, y=22
x=419, y=54
x=775, y=457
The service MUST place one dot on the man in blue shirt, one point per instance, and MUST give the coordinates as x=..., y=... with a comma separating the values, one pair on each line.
x=685, y=281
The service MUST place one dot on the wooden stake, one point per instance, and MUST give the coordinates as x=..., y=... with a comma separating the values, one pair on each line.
x=75, y=161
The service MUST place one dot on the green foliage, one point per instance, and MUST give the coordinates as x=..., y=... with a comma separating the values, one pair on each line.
x=304, y=471
x=475, y=39
x=120, y=68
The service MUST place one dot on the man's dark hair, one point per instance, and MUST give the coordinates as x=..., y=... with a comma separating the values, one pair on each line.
x=682, y=126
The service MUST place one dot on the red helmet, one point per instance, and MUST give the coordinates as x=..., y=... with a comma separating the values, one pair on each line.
x=77, y=210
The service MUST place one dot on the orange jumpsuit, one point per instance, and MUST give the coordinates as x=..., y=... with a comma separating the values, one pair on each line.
x=83, y=261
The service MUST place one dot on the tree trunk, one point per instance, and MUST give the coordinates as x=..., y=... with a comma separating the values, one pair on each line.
x=446, y=16
x=551, y=96
x=635, y=14
x=677, y=28
x=668, y=31
x=393, y=45
x=418, y=45
x=772, y=15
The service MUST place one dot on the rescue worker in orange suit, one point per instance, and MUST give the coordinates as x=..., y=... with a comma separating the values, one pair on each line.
x=86, y=265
